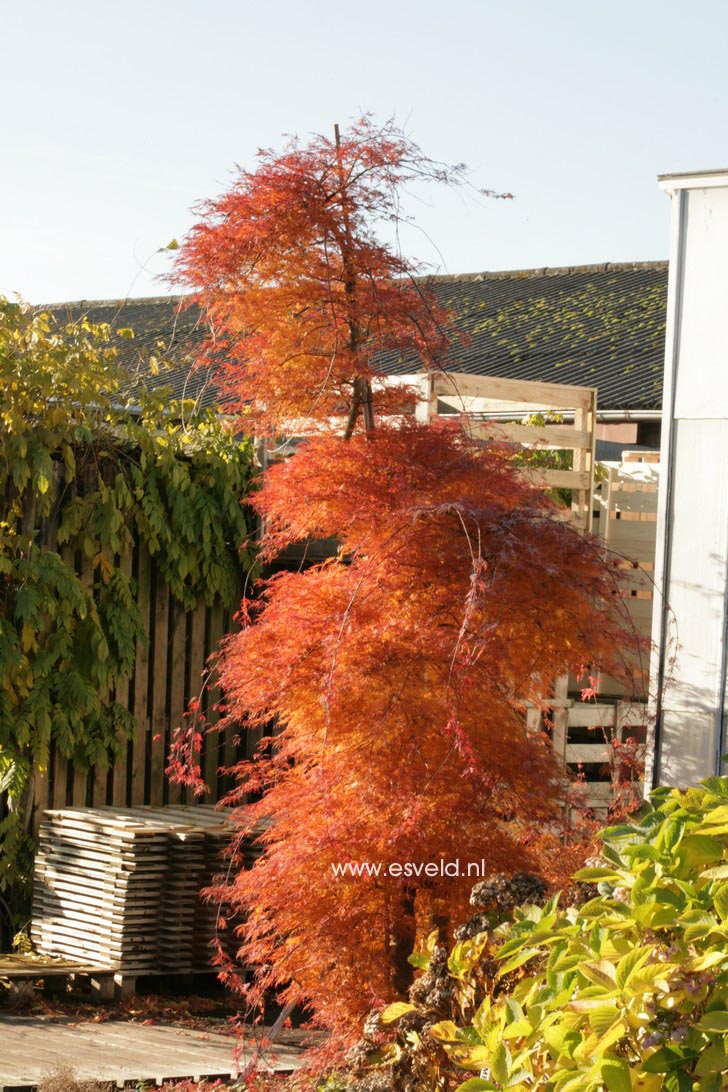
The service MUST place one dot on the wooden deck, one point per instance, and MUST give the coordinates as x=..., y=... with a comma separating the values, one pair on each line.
x=124, y=1053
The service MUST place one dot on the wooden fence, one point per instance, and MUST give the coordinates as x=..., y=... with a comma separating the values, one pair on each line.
x=584, y=734
x=625, y=517
x=595, y=740
x=168, y=672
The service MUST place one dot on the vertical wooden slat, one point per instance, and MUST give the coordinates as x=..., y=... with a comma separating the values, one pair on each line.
x=585, y=421
x=534, y=722
x=215, y=756
x=81, y=773
x=159, y=693
x=100, y=779
x=560, y=717
x=141, y=679
x=41, y=796
x=177, y=651
x=194, y=683
x=60, y=777
x=232, y=735
x=124, y=696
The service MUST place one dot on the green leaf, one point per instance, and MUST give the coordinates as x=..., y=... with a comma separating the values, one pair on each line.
x=601, y=972
x=715, y=1020
x=518, y=961
x=631, y=962
x=698, y=849
x=475, y=1084
x=668, y=1058
x=499, y=1063
x=616, y=1075
x=712, y=1060
x=602, y=1019
x=678, y=1081
x=593, y=875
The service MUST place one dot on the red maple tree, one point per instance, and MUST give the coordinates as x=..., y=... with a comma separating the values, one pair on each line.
x=300, y=295
x=396, y=673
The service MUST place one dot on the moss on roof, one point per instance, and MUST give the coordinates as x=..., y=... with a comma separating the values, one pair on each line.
x=598, y=326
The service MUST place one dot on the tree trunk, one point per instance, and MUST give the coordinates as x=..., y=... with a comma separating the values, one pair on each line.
x=402, y=942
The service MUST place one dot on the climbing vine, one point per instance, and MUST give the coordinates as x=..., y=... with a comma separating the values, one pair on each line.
x=88, y=468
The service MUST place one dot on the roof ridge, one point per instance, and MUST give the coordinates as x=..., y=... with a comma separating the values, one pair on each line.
x=547, y=271
x=485, y=275
x=118, y=302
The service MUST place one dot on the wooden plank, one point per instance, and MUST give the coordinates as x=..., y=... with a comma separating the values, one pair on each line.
x=632, y=714
x=178, y=650
x=551, y=437
x=141, y=680
x=601, y=792
x=60, y=779
x=547, y=395
x=426, y=406
x=215, y=752
x=560, y=716
x=534, y=722
x=641, y=613
x=125, y=697
x=232, y=734
x=582, y=503
x=116, y=1051
x=159, y=691
x=633, y=540
x=633, y=501
x=591, y=715
x=557, y=479
x=641, y=457
x=194, y=689
x=580, y=753
x=100, y=778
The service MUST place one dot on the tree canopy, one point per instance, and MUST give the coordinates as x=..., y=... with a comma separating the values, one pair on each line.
x=397, y=673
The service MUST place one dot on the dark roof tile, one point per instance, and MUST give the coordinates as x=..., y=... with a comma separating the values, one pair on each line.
x=599, y=326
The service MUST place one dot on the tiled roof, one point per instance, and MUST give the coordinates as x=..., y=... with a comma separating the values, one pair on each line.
x=597, y=326
x=163, y=328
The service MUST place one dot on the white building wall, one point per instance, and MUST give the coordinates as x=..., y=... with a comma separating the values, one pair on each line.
x=690, y=622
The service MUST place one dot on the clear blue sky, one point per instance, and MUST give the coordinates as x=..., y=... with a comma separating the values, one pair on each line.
x=117, y=117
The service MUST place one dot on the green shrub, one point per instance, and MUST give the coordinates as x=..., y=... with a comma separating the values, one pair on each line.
x=628, y=990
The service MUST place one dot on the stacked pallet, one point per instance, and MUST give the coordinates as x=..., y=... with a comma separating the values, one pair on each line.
x=120, y=887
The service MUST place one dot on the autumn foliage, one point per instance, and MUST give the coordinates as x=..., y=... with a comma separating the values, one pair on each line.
x=396, y=674
x=300, y=295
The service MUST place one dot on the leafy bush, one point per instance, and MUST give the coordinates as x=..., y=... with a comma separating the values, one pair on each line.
x=87, y=469
x=628, y=990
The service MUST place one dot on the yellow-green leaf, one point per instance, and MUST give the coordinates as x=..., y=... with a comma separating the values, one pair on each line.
x=395, y=1011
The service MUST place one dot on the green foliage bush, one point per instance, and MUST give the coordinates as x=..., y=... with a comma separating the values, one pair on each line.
x=628, y=990
x=86, y=470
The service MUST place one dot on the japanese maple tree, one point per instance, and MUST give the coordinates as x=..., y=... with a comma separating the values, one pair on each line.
x=300, y=294
x=398, y=672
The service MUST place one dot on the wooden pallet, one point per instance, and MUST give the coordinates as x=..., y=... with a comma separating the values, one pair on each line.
x=23, y=971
